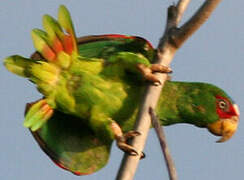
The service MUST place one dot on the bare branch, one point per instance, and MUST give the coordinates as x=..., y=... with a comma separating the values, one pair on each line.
x=143, y=123
x=196, y=21
x=168, y=45
x=129, y=163
x=181, y=6
x=162, y=139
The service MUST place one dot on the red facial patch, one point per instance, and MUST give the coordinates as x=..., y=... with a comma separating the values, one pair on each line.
x=224, y=108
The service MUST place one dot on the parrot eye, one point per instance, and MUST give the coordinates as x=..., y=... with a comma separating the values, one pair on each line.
x=223, y=105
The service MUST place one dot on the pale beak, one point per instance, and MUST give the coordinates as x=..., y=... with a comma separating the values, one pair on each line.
x=224, y=127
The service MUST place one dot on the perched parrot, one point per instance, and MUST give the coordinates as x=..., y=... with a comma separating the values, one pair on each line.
x=92, y=87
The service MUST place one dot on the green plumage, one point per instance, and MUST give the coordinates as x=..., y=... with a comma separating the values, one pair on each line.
x=92, y=82
x=71, y=143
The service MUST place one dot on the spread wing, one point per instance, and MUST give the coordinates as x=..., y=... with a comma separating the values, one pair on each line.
x=72, y=145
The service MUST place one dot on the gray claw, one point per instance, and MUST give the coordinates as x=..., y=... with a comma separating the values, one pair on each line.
x=127, y=148
x=122, y=143
x=143, y=155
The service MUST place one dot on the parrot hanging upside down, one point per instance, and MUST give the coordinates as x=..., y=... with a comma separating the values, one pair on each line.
x=92, y=87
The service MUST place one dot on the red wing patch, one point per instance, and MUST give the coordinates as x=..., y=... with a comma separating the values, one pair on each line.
x=93, y=38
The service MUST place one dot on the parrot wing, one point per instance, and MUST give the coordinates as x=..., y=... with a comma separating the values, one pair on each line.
x=103, y=46
x=72, y=145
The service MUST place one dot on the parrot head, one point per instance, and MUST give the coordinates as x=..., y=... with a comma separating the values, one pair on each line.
x=205, y=105
x=228, y=119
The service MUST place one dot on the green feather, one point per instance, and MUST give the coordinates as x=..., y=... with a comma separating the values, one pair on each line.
x=17, y=65
x=71, y=143
x=90, y=85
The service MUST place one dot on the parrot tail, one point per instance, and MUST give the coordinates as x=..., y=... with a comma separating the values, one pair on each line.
x=56, y=46
x=42, y=73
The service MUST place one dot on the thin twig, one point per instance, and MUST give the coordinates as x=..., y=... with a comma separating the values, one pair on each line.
x=181, y=6
x=162, y=139
x=195, y=22
x=167, y=47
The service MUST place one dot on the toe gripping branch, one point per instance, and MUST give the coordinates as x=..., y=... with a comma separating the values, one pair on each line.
x=147, y=72
x=122, y=140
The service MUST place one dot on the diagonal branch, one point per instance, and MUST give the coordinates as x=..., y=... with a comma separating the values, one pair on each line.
x=164, y=146
x=195, y=22
x=172, y=39
x=165, y=51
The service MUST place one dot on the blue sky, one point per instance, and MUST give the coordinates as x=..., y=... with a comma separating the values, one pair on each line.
x=214, y=54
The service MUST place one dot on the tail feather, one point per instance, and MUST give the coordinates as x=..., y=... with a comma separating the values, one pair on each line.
x=19, y=65
x=55, y=33
x=42, y=44
x=42, y=73
x=65, y=21
x=37, y=115
x=57, y=48
x=55, y=45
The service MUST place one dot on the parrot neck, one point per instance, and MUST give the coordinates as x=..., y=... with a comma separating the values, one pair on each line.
x=167, y=110
x=179, y=103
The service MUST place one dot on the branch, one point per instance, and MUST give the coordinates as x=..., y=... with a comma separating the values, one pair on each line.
x=181, y=6
x=163, y=143
x=172, y=39
x=165, y=51
x=195, y=22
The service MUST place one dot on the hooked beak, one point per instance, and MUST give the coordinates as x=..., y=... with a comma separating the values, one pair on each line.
x=225, y=127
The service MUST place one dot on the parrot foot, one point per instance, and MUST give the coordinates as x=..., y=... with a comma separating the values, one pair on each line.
x=147, y=72
x=122, y=140
x=122, y=143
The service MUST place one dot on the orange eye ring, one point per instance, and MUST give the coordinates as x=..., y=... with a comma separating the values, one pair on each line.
x=223, y=105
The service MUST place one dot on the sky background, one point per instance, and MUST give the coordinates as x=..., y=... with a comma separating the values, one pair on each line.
x=214, y=54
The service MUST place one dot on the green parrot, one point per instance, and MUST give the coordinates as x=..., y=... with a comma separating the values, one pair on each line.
x=92, y=87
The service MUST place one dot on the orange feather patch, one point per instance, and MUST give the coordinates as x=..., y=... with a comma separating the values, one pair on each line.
x=68, y=44
x=48, y=53
x=57, y=45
